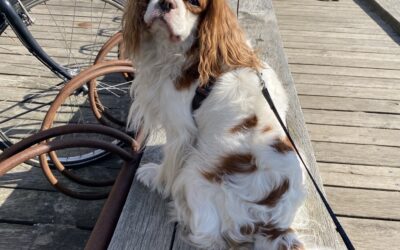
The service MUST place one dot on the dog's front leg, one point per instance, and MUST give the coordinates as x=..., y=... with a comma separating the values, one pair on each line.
x=160, y=177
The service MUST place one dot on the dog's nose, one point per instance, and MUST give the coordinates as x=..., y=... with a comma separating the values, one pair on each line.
x=167, y=5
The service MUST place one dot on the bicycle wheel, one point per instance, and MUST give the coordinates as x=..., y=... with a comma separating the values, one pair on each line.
x=72, y=33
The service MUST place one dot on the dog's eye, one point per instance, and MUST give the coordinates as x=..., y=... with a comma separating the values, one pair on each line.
x=194, y=2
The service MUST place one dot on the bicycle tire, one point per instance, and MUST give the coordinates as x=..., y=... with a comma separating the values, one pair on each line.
x=68, y=161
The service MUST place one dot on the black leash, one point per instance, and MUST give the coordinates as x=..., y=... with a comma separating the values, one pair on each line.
x=339, y=227
x=203, y=92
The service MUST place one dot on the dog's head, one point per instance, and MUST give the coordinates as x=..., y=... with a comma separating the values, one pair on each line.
x=219, y=42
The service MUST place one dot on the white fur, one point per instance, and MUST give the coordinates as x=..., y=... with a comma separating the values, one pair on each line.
x=213, y=211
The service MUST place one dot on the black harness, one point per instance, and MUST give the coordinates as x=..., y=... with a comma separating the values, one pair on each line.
x=201, y=94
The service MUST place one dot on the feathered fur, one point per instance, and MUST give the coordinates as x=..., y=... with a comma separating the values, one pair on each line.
x=228, y=167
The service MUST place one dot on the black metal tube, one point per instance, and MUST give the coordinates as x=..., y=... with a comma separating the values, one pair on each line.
x=16, y=23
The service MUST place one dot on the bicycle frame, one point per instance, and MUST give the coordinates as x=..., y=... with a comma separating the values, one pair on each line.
x=15, y=21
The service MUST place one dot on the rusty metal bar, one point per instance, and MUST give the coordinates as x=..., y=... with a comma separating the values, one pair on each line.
x=111, y=43
x=46, y=147
x=104, y=229
x=105, y=226
x=77, y=82
x=68, y=129
x=100, y=113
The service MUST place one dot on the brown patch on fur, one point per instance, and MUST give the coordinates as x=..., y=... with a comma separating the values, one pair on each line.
x=197, y=9
x=188, y=76
x=282, y=247
x=273, y=233
x=266, y=129
x=275, y=195
x=283, y=145
x=248, y=123
x=232, y=164
x=295, y=246
x=270, y=231
x=248, y=229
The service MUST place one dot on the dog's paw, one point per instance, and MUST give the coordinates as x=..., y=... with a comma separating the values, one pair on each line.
x=148, y=174
x=287, y=240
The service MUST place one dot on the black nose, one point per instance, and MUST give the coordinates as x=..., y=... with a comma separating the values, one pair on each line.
x=167, y=5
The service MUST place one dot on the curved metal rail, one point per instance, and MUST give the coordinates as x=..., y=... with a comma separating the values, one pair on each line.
x=27, y=149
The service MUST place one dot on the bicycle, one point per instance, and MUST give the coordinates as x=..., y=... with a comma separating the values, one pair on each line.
x=102, y=19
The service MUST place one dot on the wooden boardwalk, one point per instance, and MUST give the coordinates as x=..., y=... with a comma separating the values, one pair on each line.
x=345, y=62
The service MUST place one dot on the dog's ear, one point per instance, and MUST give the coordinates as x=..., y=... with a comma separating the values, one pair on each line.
x=222, y=42
x=133, y=24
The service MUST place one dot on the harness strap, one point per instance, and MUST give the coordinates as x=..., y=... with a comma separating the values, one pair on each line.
x=201, y=94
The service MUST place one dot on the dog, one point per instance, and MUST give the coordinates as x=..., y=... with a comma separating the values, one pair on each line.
x=231, y=172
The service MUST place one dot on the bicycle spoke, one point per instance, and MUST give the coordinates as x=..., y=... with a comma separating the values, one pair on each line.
x=71, y=33
x=69, y=51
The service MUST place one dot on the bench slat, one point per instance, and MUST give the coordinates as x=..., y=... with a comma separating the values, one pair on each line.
x=144, y=222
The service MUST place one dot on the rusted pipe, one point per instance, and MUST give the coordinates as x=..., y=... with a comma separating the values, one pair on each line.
x=46, y=147
x=78, y=81
x=115, y=40
x=106, y=223
x=69, y=129
x=101, y=114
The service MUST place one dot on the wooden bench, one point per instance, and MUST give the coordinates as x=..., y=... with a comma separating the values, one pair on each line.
x=144, y=222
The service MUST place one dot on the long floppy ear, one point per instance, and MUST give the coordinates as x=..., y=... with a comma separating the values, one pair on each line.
x=222, y=42
x=133, y=24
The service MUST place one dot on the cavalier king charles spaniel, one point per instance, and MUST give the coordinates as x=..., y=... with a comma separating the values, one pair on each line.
x=230, y=170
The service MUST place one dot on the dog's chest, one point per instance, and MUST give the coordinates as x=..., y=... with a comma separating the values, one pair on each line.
x=160, y=101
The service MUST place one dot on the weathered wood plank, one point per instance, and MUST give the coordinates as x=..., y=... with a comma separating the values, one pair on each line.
x=349, y=92
x=343, y=62
x=340, y=41
x=360, y=176
x=365, y=203
x=349, y=104
x=50, y=207
x=357, y=154
x=313, y=44
x=42, y=237
x=327, y=19
x=342, y=134
x=144, y=222
x=337, y=35
x=28, y=177
x=345, y=55
x=345, y=71
x=372, y=234
x=331, y=28
x=350, y=81
x=303, y=23
x=355, y=119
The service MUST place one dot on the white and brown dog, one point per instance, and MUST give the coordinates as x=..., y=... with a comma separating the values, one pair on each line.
x=229, y=168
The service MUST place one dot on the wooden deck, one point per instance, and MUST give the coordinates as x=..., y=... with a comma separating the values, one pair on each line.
x=346, y=66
